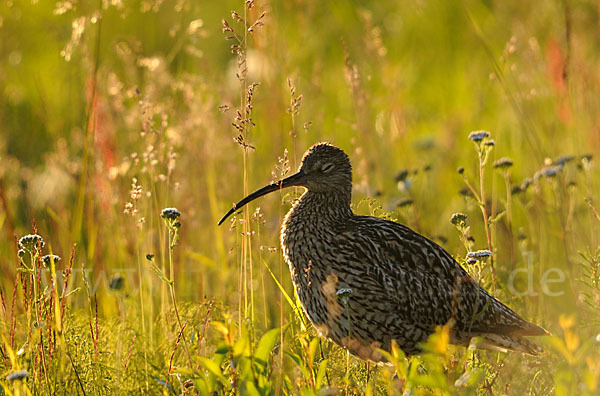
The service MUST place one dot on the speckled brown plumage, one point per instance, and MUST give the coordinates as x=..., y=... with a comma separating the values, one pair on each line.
x=365, y=281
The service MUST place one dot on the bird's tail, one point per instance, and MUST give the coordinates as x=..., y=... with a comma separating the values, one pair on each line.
x=503, y=343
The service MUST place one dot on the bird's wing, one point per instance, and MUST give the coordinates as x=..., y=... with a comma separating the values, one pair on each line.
x=424, y=283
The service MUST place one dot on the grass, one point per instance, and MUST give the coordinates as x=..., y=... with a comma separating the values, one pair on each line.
x=113, y=111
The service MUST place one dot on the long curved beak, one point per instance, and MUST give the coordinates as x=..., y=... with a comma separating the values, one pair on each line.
x=296, y=179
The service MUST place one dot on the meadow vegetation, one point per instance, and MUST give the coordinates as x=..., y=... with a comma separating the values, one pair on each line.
x=128, y=128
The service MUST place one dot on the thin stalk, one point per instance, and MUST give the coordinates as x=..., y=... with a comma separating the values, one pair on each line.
x=172, y=289
x=163, y=291
x=485, y=217
x=246, y=115
x=281, y=318
x=246, y=274
x=347, y=375
x=262, y=274
x=36, y=277
x=509, y=215
x=142, y=313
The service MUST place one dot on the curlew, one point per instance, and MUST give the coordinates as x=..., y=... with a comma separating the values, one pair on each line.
x=364, y=281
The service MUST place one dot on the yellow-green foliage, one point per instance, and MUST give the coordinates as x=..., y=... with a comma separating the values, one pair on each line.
x=112, y=110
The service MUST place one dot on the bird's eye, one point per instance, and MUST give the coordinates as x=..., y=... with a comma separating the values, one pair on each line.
x=327, y=167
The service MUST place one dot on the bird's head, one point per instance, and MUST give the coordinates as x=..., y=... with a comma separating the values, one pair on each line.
x=325, y=168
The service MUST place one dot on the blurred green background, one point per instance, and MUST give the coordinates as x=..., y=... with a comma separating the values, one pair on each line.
x=96, y=93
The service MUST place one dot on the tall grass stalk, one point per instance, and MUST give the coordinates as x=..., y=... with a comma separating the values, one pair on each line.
x=142, y=309
x=483, y=146
x=173, y=236
x=243, y=123
x=483, y=206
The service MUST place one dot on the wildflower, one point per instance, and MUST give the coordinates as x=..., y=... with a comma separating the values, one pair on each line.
x=459, y=219
x=516, y=190
x=461, y=170
x=21, y=253
x=503, y=163
x=47, y=259
x=116, y=283
x=170, y=214
x=466, y=192
x=344, y=291
x=150, y=256
x=490, y=142
x=585, y=162
x=563, y=159
x=31, y=242
x=526, y=183
x=471, y=261
x=478, y=136
x=551, y=171
x=344, y=295
x=17, y=375
x=405, y=202
x=402, y=175
x=479, y=254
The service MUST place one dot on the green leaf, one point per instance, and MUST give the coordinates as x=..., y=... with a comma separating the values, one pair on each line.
x=299, y=363
x=321, y=373
x=297, y=309
x=160, y=274
x=251, y=389
x=266, y=344
x=470, y=378
x=186, y=371
x=241, y=347
x=312, y=350
x=201, y=386
x=213, y=368
x=222, y=348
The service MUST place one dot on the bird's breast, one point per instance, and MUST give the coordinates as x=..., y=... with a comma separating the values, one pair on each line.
x=308, y=246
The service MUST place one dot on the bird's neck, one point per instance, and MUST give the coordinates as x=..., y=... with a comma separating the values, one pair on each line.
x=324, y=206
